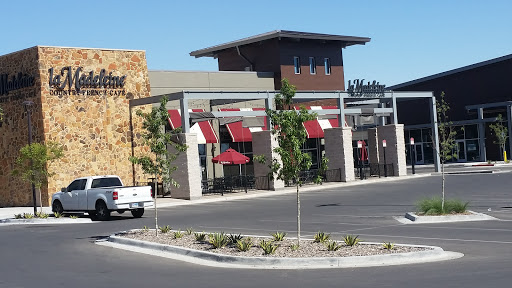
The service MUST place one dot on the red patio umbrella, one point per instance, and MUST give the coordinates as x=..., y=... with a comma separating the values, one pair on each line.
x=230, y=156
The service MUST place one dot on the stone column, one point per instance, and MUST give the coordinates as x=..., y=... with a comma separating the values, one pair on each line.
x=263, y=143
x=339, y=151
x=373, y=146
x=188, y=174
x=395, y=148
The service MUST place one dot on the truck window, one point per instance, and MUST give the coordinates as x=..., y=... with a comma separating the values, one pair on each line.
x=77, y=185
x=106, y=182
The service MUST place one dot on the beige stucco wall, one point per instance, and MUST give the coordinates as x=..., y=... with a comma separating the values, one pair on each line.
x=93, y=127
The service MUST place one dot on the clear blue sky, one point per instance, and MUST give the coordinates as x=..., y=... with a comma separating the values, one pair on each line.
x=409, y=39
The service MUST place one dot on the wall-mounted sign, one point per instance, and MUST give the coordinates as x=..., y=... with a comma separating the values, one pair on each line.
x=359, y=89
x=85, y=83
x=16, y=82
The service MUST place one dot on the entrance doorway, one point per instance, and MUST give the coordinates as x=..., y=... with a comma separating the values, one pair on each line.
x=418, y=148
x=460, y=150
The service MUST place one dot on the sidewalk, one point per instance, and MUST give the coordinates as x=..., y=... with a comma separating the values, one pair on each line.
x=162, y=202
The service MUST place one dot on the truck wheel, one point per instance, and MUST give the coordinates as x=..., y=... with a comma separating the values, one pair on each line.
x=92, y=214
x=137, y=213
x=102, y=212
x=57, y=207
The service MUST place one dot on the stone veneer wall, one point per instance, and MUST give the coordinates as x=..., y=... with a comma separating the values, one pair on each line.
x=14, y=129
x=94, y=129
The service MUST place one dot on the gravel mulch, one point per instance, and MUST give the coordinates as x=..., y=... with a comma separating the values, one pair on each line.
x=307, y=247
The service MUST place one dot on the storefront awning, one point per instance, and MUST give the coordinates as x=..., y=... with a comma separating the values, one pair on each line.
x=315, y=128
x=240, y=132
x=203, y=129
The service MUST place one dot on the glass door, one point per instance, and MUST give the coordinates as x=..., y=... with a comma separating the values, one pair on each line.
x=460, y=148
x=418, y=148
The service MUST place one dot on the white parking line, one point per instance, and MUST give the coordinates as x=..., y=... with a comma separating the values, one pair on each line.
x=443, y=239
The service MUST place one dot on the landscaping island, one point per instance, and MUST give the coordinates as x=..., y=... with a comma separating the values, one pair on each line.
x=184, y=246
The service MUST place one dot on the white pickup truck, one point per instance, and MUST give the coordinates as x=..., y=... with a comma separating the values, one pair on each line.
x=100, y=195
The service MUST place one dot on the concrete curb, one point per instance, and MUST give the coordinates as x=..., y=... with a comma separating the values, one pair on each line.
x=50, y=220
x=227, y=261
x=466, y=172
x=475, y=216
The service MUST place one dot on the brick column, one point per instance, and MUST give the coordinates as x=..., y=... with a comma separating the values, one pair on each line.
x=395, y=150
x=263, y=143
x=188, y=174
x=373, y=146
x=338, y=149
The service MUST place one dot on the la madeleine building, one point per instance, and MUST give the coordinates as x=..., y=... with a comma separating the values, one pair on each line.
x=85, y=99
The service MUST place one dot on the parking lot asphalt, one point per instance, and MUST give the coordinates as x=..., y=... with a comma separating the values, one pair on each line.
x=32, y=254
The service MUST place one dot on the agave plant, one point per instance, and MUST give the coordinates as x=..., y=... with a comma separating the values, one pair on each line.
x=234, y=238
x=218, y=240
x=388, y=245
x=164, y=229
x=200, y=237
x=279, y=236
x=321, y=237
x=268, y=246
x=244, y=244
x=351, y=240
x=332, y=245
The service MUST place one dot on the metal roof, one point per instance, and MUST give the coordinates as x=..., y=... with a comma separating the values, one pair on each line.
x=347, y=40
x=450, y=72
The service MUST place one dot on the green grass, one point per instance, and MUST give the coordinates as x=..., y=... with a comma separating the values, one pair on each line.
x=432, y=206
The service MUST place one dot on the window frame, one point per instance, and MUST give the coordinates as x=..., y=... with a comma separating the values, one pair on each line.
x=312, y=65
x=327, y=66
x=296, y=64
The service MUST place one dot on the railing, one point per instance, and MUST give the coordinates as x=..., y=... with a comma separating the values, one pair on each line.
x=228, y=184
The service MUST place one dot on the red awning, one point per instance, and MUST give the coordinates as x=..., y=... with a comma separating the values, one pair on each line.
x=203, y=129
x=315, y=128
x=243, y=134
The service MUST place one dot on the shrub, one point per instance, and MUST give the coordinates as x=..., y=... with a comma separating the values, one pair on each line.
x=233, y=238
x=351, y=240
x=200, y=237
x=218, y=240
x=178, y=234
x=294, y=247
x=190, y=231
x=41, y=215
x=18, y=216
x=432, y=206
x=332, y=245
x=164, y=229
x=268, y=247
x=28, y=216
x=321, y=237
x=57, y=214
x=279, y=236
x=388, y=245
x=244, y=244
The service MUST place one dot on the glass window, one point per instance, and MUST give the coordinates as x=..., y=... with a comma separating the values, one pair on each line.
x=416, y=134
x=471, y=131
x=296, y=63
x=327, y=66
x=473, y=150
x=459, y=130
x=312, y=65
x=105, y=182
x=75, y=185
x=426, y=135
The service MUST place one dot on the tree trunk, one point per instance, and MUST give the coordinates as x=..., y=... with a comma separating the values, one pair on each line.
x=298, y=215
x=156, y=211
x=442, y=189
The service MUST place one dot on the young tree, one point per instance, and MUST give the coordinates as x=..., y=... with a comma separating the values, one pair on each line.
x=500, y=131
x=1, y=114
x=447, y=143
x=291, y=136
x=158, y=140
x=32, y=164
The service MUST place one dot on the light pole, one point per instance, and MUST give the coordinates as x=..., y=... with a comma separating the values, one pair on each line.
x=385, y=164
x=413, y=155
x=28, y=108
